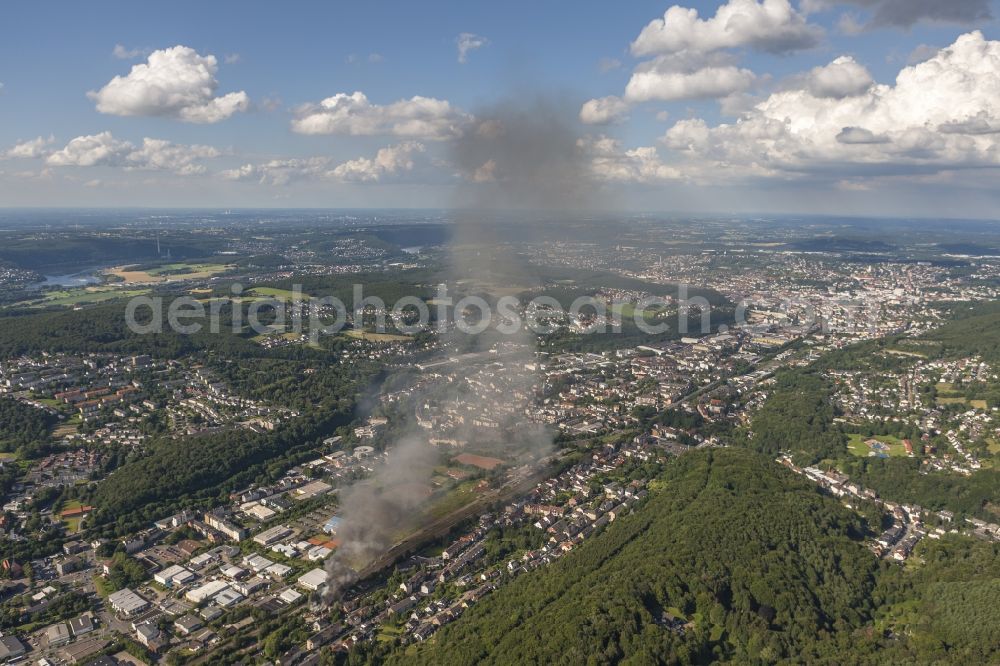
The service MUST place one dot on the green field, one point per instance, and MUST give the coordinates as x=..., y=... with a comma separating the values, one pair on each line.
x=978, y=404
x=185, y=269
x=856, y=445
x=388, y=633
x=51, y=402
x=273, y=292
x=900, y=352
x=456, y=498
x=376, y=337
x=166, y=273
x=72, y=524
x=80, y=296
x=87, y=295
x=627, y=310
x=948, y=394
x=286, y=335
x=102, y=586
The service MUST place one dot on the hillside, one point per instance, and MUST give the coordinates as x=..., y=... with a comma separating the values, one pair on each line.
x=759, y=564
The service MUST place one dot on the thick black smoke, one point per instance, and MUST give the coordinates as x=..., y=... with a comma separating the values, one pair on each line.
x=377, y=512
x=523, y=155
x=515, y=160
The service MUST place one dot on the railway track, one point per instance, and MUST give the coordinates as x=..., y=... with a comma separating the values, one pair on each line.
x=440, y=527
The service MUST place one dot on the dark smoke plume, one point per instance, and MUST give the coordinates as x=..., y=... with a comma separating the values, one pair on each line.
x=515, y=158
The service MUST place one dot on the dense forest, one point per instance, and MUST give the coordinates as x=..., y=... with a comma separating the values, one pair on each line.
x=799, y=417
x=732, y=558
x=943, y=610
x=175, y=473
x=901, y=479
x=179, y=471
x=103, y=328
x=975, y=333
x=23, y=427
x=71, y=251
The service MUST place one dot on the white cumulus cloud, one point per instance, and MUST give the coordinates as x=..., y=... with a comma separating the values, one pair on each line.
x=843, y=77
x=603, y=111
x=33, y=149
x=154, y=154
x=766, y=25
x=92, y=150
x=279, y=171
x=670, y=78
x=158, y=154
x=691, y=57
x=387, y=161
x=609, y=161
x=939, y=115
x=175, y=83
x=353, y=114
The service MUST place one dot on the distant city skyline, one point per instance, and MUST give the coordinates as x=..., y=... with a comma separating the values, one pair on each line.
x=844, y=107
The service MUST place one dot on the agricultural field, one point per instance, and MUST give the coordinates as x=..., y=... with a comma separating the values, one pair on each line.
x=86, y=296
x=627, y=310
x=167, y=272
x=948, y=394
x=65, y=429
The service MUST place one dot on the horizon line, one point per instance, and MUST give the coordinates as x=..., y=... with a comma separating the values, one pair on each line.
x=596, y=213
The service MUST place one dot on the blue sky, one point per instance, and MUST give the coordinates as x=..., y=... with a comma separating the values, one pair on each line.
x=672, y=147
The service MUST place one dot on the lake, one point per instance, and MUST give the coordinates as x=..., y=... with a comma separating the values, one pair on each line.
x=79, y=279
